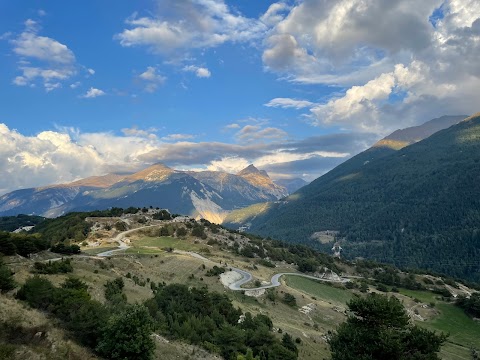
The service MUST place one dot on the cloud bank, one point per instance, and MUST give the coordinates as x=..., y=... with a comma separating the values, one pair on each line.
x=68, y=154
x=405, y=60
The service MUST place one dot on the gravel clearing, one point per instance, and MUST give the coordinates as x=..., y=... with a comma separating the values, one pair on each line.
x=229, y=277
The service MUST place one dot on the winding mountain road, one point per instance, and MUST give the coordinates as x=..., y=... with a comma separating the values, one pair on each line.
x=247, y=277
x=122, y=245
x=274, y=282
x=235, y=286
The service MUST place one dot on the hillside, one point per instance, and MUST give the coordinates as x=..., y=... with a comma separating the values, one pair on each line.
x=414, y=207
x=207, y=194
x=158, y=269
x=12, y=223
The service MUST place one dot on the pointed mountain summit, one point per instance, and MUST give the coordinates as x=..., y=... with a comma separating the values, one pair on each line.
x=260, y=179
x=251, y=169
x=156, y=172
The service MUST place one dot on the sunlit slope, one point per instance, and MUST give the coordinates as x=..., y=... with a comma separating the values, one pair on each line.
x=418, y=206
x=386, y=146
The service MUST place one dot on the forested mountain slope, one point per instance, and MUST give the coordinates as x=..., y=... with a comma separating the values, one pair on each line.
x=416, y=207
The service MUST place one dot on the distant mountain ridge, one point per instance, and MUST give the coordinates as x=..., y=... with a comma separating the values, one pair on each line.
x=291, y=185
x=206, y=194
x=418, y=206
x=404, y=137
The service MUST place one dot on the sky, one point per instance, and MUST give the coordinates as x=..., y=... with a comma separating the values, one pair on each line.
x=294, y=87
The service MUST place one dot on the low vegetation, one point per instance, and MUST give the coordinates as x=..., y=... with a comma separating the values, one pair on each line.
x=53, y=267
x=210, y=320
x=22, y=244
x=470, y=305
x=12, y=223
x=180, y=299
x=7, y=282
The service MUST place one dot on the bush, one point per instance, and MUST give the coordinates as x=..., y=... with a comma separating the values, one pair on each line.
x=53, y=267
x=199, y=231
x=6, y=278
x=470, y=305
x=266, y=263
x=114, y=291
x=209, y=319
x=289, y=299
x=271, y=295
x=215, y=271
x=382, y=288
x=121, y=226
x=212, y=242
x=65, y=249
x=37, y=292
x=162, y=215
x=181, y=232
x=308, y=265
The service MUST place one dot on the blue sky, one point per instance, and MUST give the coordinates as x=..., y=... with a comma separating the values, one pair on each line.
x=295, y=87
x=237, y=88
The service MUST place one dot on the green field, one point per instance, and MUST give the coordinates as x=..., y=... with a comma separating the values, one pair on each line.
x=424, y=296
x=98, y=250
x=152, y=245
x=318, y=289
x=464, y=332
x=462, y=329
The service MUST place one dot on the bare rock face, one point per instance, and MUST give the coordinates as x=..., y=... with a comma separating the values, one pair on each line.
x=261, y=180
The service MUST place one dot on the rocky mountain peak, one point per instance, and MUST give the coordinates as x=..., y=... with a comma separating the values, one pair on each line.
x=156, y=172
x=252, y=170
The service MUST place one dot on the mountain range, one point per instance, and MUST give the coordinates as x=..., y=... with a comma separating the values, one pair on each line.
x=207, y=194
x=413, y=199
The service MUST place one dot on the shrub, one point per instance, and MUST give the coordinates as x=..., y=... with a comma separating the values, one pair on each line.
x=215, y=271
x=120, y=226
x=37, y=292
x=181, y=232
x=63, y=266
x=289, y=299
x=61, y=248
x=7, y=282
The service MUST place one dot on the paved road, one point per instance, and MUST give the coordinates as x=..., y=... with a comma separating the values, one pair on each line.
x=247, y=277
x=122, y=245
x=274, y=282
x=235, y=286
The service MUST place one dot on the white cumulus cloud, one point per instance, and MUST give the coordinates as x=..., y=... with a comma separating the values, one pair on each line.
x=200, y=72
x=152, y=79
x=190, y=24
x=393, y=63
x=42, y=58
x=93, y=93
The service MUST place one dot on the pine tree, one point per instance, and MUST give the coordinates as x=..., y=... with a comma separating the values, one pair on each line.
x=380, y=329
